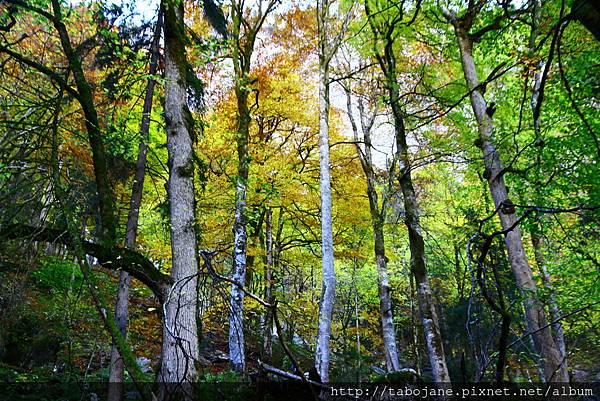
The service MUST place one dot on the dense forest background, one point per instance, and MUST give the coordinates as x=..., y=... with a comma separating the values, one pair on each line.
x=336, y=191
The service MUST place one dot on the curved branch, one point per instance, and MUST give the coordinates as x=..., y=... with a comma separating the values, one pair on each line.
x=42, y=69
x=113, y=258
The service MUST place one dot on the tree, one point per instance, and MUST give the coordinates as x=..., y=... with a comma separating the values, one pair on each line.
x=383, y=26
x=180, y=331
x=328, y=46
x=115, y=389
x=554, y=370
x=412, y=220
x=106, y=252
x=535, y=234
x=378, y=213
x=244, y=33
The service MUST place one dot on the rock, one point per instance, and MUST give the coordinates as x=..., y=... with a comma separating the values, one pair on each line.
x=580, y=375
x=145, y=364
x=378, y=370
x=132, y=395
x=220, y=356
x=203, y=361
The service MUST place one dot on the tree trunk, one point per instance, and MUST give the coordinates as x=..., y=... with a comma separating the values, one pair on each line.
x=86, y=100
x=377, y=219
x=385, y=301
x=555, y=312
x=115, y=378
x=236, y=312
x=115, y=389
x=431, y=328
x=267, y=324
x=237, y=355
x=106, y=251
x=108, y=223
x=415, y=332
x=244, y=37
x=180, y=336
x=322, y=354
x=553, y=367
x=327, y=47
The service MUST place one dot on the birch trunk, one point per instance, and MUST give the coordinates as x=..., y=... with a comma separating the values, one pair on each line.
x=327, y=49
x=180, y=336
x=322, y=354
x=236, y=312
x=552, y=363
x=115, y=389
x=237, y=352
x=244, y=31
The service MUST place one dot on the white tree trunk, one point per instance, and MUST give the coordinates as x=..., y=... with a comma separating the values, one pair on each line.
x=236, y=313
x=385, y=309
x=322, y=354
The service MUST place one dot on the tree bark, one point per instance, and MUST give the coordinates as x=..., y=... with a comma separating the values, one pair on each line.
x=553, y=367
x=322, y=354
x=327, y=47
x=180, y=336
x=236, y=312
x=115, y=389
x=385, y=301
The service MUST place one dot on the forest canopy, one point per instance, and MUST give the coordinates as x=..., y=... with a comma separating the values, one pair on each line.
x=266, y=191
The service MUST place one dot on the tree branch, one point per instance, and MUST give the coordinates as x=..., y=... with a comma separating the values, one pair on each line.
x=113, y=258
x=41, y=68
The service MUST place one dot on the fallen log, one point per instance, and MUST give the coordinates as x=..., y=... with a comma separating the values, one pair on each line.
x=326, y=392
x=291, y=376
